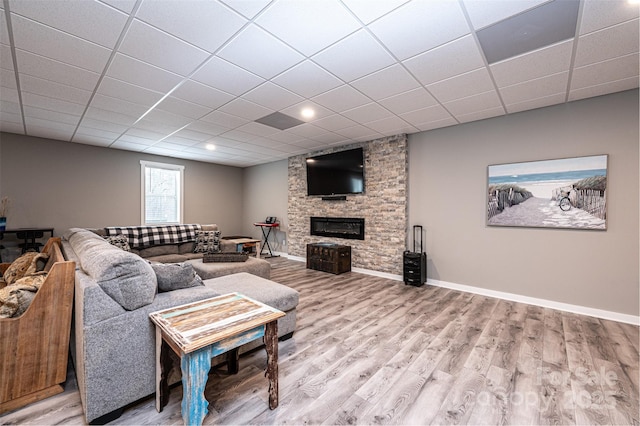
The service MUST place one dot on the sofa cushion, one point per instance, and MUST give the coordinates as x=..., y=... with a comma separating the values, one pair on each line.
x=125, y=277
x=120, y=241
x=174, y=276
x=160, y=250
x=187, y=247
x=207, y=242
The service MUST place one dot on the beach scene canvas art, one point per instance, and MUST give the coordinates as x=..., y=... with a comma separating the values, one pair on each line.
x=561, y=193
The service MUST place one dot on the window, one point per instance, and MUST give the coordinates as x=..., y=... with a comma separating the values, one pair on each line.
x=162, y=186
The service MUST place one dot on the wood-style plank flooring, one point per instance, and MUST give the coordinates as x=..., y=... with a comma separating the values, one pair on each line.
x=369, y=350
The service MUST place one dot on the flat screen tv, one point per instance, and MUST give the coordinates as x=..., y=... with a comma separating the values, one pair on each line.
x=338, y=173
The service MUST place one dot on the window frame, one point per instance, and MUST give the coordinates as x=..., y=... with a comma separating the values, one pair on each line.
x=155, y=165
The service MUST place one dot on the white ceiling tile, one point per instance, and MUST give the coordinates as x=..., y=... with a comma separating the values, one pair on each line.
x=9, y=94
x=462, y=85
x=9, y=117
x=239, y=136
x=307, y=80
x=156, y=127
x=366, y=113
x=260, y=53
x=194, y=135
x=150, y=45
x=295, y=111
x=201, y=94
x=603, y=89
x=11, y=127
x=45, y=68
x=368, y=138
x=146, y=133
x=272, y=96
x=6, y=60
x=193, y=21
x=89, y=20
x=177, y=140
x=52, y=104
x=53, y=90
x=49, y=130
x=223, y=75
x=419, y=26
x=124, y=5
x=473, y=104
x=355, y=56
x=330, y=138
x=128, y=146
x=49, y=124
x=370, y=10
x=4, y=33
x=598, y=14
x=307, y=130
x=56, y=116
x=92, y=123
x=310, y=144
x=549, y=60
x=257, y=129
x=11, y=107
x=8, y=79
x=138, y=140
x=303, y=24
x=354, y=131
x=98, y=133
x=117, y=105
x=480, y=115
x=245, y=109
x=408, y=101
x=141, y=74
x=285, y=137
x=334, y=122
x=184, y=108
x=111, y=116
x=603, y=72
x=426, y=115
x=605, y=44
x=207, y=127
x=446, y=61
x=385, y=83
x=248, y=8
x=388, y=125
x=128, y=92
x=341, y=98
x=536, y=103
x=486, y=12
x=225, y=120
x=167, y=118
x=45, y=41
x=168, y=145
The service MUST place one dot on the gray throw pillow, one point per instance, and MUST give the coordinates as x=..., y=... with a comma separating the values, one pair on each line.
x=207, y=242
x=174, y=276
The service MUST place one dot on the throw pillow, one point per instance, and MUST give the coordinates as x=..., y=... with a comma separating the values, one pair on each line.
x=207, y=242
x=174, y=276
x=120, y=241
x=28, y=263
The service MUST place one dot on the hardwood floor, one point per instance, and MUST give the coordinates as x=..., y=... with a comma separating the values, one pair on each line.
x=369, y=350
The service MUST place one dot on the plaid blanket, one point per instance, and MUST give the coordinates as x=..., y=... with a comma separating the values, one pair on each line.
x=147, y=236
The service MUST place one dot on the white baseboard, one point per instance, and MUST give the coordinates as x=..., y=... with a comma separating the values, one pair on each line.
x=576, y=309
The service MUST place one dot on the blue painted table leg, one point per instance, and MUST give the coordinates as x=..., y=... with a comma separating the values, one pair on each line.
x=195, y=369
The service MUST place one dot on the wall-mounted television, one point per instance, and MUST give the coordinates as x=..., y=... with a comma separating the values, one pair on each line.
x=338, y=173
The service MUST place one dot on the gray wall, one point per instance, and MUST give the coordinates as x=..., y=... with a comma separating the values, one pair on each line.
x=62, y=184
x=265, y=194
x=447, y=183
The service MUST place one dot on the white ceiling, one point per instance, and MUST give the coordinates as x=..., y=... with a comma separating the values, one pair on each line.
x=169, y=77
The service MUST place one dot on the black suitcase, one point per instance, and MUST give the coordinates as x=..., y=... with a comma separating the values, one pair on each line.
x=414, y=263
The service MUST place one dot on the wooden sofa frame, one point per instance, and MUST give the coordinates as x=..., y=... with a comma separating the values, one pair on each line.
x=34, y=347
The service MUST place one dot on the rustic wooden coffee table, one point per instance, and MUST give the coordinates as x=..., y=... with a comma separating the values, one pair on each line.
x=197, y=332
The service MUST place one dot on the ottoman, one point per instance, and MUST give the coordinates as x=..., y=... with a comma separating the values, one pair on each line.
x=259, y=267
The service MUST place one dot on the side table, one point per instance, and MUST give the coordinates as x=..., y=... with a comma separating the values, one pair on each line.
x=201, y=330
x=265, y=235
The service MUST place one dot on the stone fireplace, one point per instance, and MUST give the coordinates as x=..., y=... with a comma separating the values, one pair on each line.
x=338, y=227
x=383, y=206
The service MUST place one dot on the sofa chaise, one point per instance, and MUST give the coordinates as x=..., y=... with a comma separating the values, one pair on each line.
x=113, y=339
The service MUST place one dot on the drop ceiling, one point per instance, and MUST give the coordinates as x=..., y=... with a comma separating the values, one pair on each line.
x=173, y=77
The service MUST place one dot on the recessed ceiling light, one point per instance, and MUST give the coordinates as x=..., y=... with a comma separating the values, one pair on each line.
x=307, y=113
x=210, y=147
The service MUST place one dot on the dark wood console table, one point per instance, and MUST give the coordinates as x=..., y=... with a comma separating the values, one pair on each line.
x=333, y=258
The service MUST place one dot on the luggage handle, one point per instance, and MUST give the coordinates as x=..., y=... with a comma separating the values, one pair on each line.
x=418, y=229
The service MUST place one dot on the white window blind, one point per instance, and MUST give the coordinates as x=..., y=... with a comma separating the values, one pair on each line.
x=162, y=186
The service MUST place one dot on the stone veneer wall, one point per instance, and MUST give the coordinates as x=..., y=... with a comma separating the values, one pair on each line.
x=383, y=206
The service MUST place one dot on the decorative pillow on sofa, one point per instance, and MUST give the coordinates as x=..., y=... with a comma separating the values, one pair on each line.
x=120, y=241
x=207, y=242
x=27, y=264
x=174, y=276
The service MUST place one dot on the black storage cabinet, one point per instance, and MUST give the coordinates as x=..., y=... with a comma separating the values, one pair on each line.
x=414, y=263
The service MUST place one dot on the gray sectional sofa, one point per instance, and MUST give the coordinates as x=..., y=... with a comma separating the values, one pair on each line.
x=113, y=340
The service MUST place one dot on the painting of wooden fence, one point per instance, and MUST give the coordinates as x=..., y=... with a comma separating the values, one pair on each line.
x=561, y=193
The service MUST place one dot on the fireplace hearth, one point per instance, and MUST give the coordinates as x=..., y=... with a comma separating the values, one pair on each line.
x=338, y=227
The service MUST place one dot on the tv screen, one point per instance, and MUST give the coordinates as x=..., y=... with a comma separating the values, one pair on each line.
x=337, y=173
